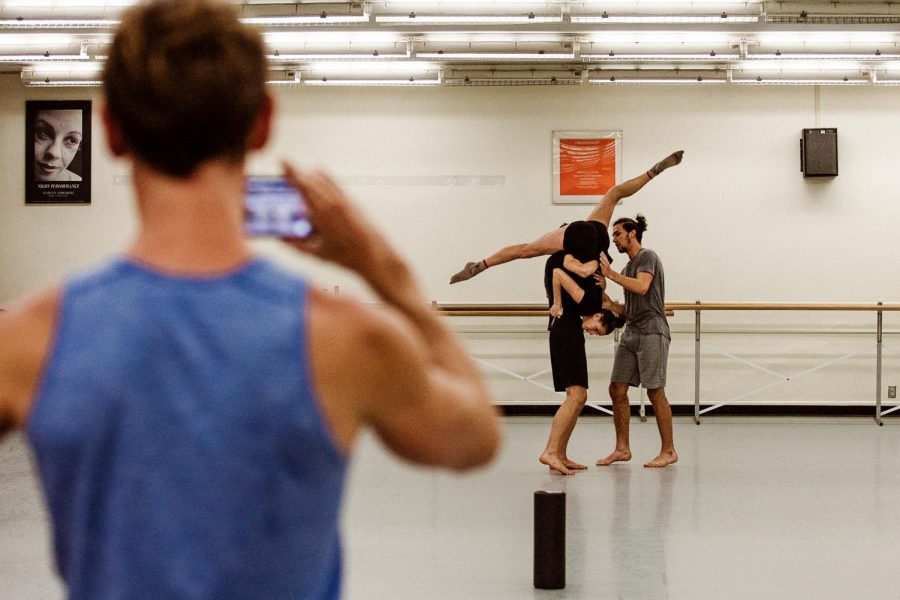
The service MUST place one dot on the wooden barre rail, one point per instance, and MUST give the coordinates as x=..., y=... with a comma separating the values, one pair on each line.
x=531, y=310
x=526, y=310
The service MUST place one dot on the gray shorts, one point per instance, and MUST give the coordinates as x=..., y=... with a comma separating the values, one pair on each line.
x=641, y=359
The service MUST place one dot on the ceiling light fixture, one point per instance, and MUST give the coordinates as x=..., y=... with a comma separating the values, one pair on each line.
x=497, y=56
x=369, y=56
x=412, y=82
x=306, y=20
x=665, y=19
x=466, y=19
x=58, y=24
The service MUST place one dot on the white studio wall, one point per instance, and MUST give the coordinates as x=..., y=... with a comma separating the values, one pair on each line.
x=736, y=221
x=451, y=174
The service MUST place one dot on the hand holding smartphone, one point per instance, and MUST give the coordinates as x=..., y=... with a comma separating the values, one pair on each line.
x=272, y=207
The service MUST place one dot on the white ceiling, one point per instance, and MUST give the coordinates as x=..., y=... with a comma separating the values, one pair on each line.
x=503, y=42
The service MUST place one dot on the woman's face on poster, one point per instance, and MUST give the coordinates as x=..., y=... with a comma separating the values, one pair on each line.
x=57, y=137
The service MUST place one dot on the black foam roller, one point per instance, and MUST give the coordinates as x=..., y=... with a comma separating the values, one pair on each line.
x=549, y=539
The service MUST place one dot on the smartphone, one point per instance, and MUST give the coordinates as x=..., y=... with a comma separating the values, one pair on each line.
x=272, y=207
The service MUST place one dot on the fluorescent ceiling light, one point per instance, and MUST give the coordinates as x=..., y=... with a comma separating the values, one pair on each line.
x=405, y=67
x=674, y=57
x=510, y=56
x=372, y=82
x=686, y=38
x=788, y=56
x=676, y=19
x=680, y=3
x=306, y=20
x=58, y=24
x=46, y=41
x=333, y=37
x=325, y=57
x=467, y=20
x=800, y=82
x=91, y=67
x=494, y=37
x=826, y=37
x=797, y=65
x=65, y=83
x=657, y=67
x=656, y=81
x=68, y=3
x=16, y=58
x=406, y=4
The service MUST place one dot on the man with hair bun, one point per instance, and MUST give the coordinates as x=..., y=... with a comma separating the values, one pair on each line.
x=643, y=350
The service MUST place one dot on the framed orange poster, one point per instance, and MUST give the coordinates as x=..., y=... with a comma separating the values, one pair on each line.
x=586, y=164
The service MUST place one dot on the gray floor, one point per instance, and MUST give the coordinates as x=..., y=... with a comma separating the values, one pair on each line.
x=756, y=508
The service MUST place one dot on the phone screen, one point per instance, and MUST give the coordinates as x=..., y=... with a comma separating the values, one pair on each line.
x=272, y=207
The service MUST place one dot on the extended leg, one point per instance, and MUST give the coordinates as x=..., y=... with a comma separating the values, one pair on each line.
x=663, y=413
x=554, y=455
x=547, y=244
x=618, y=392
x=604, y=210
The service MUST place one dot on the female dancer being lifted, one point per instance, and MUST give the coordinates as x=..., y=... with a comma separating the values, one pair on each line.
x=553, y=241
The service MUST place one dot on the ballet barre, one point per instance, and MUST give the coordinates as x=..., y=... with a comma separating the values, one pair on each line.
x=697, y=307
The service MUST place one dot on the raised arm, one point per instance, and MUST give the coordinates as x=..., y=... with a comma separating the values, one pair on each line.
x=639, y=285
x=396, y=368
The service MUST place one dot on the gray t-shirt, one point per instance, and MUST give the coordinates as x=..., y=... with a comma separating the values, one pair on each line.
x=647, y=313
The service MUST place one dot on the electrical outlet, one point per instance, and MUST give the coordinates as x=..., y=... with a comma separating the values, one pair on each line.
x=892, y=391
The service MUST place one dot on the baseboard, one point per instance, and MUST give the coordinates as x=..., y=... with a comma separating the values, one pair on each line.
x=688, y=410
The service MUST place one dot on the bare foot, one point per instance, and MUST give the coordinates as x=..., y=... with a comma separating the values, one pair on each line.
x=616, y=456
x=573, y=465
x=663, y=460
x=555, y=463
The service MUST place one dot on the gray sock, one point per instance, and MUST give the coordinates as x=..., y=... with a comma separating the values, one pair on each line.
x=469, y=271
x=669, y=161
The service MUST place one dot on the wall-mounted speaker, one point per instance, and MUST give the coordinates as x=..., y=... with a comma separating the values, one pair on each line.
x=819, y=153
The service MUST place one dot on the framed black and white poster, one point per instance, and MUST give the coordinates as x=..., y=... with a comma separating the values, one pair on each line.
x=58, y=152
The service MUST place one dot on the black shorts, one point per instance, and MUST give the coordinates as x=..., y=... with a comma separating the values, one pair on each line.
x=585, y=240
x=567, y=356
x=602, y=239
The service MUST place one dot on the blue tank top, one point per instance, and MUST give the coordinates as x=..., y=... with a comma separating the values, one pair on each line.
x=179, y=442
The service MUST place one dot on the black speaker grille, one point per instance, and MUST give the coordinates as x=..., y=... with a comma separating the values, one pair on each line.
x=820, y=153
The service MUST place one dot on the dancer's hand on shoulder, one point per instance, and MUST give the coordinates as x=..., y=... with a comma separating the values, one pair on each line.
x=605, y=269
